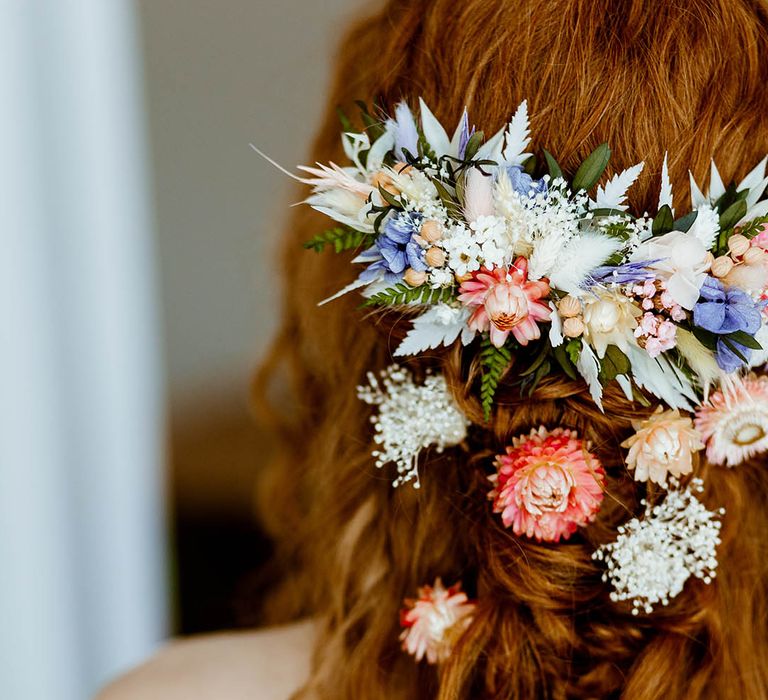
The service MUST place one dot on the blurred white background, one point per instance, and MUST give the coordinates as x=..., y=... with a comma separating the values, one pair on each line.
x=222, y=74
x=137, y=280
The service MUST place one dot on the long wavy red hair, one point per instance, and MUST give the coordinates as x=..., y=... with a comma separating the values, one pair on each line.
x=644, y=76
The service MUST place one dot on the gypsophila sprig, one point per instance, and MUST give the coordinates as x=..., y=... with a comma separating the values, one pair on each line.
x=655, y=555
x=411, y=417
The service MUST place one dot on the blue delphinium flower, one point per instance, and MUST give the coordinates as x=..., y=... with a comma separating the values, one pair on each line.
x=523, y=183
x=396, y=249
x=722, y=310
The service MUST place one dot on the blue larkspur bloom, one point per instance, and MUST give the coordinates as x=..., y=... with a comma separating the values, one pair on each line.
x=523, y=183
x=396, y=249
x=722, y=310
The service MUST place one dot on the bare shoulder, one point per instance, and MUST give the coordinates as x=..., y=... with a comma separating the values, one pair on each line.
x=267, y=664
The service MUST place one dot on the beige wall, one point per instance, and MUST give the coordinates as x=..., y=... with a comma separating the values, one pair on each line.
x=221, y=74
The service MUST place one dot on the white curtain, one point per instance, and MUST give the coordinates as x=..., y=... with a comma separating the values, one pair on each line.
x=82, y=551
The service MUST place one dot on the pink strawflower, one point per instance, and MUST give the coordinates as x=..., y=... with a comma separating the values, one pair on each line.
x=434, y=621
x=505, y=302
x=547, y=485
x=734, y=422
x=663, y=444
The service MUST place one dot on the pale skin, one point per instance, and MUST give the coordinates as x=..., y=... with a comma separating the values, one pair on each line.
x=268, y=664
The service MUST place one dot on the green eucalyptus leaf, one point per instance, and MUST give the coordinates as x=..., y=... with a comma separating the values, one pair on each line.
x=608, y=211
x=447, y=198
x=538, y=360
x=684, y=223
x=346, y=125
x=745, y=339
x=663, y=222
x=473, y=145
x=733, y=214
x=389, y=198
x=561, y=356
x=613, y=364
x=529, y=166
x=552, y=165
x=592, y=169
x=573, y=348
x=706, y=338
x=543, y=370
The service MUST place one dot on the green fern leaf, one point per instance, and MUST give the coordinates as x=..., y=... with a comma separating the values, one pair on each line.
x=494, y=362
x=341, y=238
x=401, y=294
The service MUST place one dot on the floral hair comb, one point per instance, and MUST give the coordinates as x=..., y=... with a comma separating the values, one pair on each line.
x=527, y=266
x=554, y=272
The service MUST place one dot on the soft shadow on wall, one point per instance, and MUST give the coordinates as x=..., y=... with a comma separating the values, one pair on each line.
x=220, y=75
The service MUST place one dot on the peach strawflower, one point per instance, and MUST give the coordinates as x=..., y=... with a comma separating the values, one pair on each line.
x=505, y=302
x=663, y=444
x=434, y=621
x=547, y=485
x=734, y=423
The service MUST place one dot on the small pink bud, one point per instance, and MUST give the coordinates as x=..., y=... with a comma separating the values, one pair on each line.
x=722, y=266
x=738, y=244
x=569, y=306
x=431, y=231
x=754, y=256
x=573, y=327
x=434, y=257
x=415, y=278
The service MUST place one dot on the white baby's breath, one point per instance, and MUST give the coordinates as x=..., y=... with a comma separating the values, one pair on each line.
x=410, y=418
x=655, y=555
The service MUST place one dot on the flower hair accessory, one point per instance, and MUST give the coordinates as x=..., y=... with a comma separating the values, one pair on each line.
x=547, y=485
x=734, y=421
x=434, y=620
x=653, y=557
x=663, y=444
x=410, y=418
x=487, y=246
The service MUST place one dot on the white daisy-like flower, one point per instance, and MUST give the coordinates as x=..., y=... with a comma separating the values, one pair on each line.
x=411, y=418
x=440, y=277
x=434, y=621
x=734, y=421
x=655, y=555
x=463, y=251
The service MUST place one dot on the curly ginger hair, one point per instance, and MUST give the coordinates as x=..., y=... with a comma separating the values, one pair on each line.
x=645, y=77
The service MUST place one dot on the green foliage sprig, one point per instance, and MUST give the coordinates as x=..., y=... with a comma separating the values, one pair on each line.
x=402, y=293
x=494, y=362
x=341, y=238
